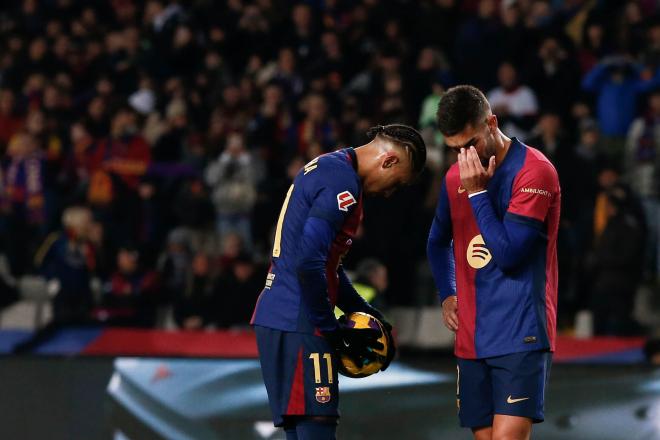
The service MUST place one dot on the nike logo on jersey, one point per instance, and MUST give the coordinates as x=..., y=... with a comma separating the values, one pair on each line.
x=344, y=200
x=461, y=190
x=510, y=400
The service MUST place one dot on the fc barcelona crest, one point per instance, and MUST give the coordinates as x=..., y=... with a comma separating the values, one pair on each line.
x=323, y=394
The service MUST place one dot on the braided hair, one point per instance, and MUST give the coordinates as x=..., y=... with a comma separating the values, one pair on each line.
x=405, y=136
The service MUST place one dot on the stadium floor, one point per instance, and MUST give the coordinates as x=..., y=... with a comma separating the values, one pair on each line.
x=66, y=398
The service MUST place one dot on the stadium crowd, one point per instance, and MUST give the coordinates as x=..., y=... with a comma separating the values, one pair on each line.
x=146, y=147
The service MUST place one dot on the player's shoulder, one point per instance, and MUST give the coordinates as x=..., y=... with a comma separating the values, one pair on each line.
x=537, y=168
x=536, y=161
x=335, y=167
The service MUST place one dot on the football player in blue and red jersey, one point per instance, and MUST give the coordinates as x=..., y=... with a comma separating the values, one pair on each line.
x=297, y=334
x=493, y=254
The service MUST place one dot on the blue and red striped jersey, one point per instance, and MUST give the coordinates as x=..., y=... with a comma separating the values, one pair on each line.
x=503, y=309
x=328, y=188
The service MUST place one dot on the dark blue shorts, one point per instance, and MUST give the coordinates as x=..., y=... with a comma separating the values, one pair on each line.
x=512, y=384
x=300, y=373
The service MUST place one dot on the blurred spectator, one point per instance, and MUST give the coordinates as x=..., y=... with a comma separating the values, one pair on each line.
x=642, y=172
x=371, y=281
x=642, y=158
x=651, y=52
x=549, y=137
x=554, y=77
x=193, y=307
x=131, y=295
x=428, y=126
x=594, y=46
x=10, y=120
x=174, y=264
x=514, y=103
x=195, y=116
x=477, y=50
x=233, y=183
x=302, y=35
x=578, y=168
x=269, y=129
x=115, y=168
x=192, y=206
x=316, y=127
x=23, y=199
x=67, y=260
x=231, y=247
x=617, y=82
x=81, y=147
x=615, y=267
x=237, y=291
x=632, y=28
x=169, y=146
x=284, y=72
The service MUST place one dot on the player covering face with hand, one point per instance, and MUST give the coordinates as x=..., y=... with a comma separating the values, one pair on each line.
x=298, y=337
x=493, y=254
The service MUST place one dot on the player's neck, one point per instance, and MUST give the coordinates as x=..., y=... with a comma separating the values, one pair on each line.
x=363, y=154
x=503, y=144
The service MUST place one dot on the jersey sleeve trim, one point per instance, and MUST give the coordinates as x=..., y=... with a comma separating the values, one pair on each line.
x=529, y=221
x=332, y=218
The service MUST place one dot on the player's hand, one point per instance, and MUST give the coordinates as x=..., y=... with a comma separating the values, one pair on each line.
x=358, y=344
x=474, y=177
x=387, y=328
x=450, y=313
x=391, y=348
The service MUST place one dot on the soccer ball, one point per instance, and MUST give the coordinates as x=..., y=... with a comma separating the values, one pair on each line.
x=346, y=365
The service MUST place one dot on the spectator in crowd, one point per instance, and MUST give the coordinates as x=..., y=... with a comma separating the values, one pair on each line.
x=67, y=261
x=237, y=291
x=477, y=52
x=233, y=184
x=214, y=105
x=131, y=295
x=174, y=264
x=23, y=199
x=617, y=82
x=514, y=103
x=615, y=268
x=194, y=306
x=315, y=127
x=594, y=46
x=10, y=119
x=554, y=77
x=642, y=173
x=371, y=281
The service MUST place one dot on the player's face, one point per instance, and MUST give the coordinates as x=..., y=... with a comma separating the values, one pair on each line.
x=394, y=172
x=480, y=136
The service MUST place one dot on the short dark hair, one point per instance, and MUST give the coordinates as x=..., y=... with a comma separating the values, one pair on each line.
x=461, y=106
x=405, y=136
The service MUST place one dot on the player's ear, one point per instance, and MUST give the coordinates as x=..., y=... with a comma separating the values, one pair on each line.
x=492, y=122
x=391, y=159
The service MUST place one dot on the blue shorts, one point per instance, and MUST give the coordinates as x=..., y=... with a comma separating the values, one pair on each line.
x=300, y=373
x=512, y=384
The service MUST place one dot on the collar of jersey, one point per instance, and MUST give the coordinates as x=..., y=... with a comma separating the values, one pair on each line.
x=513, y=150
x=353, y=156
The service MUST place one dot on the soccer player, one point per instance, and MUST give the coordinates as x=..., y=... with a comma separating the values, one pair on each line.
x=493, y=254
x=298, y=336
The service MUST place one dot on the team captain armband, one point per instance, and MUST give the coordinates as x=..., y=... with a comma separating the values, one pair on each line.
x=534, y=189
